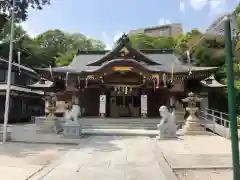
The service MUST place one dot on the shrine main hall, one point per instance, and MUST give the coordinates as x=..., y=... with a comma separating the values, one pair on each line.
x=126, y=82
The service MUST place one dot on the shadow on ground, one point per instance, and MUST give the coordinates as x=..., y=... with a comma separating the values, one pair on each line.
x=102, y=143
x=95, y=143
x=27, y=149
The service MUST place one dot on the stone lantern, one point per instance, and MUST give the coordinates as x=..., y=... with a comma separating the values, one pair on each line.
x=49, y=124
x=192, y=125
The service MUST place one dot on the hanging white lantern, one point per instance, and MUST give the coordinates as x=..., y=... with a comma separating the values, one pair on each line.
x=66, y=83
x=189, y=62
x=19, y=61
x=126, y=90
x=164, y=78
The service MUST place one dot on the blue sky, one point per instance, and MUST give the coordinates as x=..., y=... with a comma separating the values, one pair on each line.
x=107, y=19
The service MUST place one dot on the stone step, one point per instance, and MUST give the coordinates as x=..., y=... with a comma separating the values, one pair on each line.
x=99, y=122
x=119, y=123
x=127, y=125
x=119, y=127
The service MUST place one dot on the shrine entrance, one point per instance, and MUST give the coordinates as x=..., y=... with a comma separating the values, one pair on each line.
x=121, y=103
x=124, y=94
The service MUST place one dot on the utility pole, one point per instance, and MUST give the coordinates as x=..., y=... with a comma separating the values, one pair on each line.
x=231, y=98
x=8, y=90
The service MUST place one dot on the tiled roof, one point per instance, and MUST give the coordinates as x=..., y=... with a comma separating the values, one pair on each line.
x=160, y=60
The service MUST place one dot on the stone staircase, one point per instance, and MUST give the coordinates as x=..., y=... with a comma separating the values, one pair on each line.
x=119, y=123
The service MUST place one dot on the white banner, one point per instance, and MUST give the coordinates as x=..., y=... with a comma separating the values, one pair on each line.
x=143, y=104
x=102, y=104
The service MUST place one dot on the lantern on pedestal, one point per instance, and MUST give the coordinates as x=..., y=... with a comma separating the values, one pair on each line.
x=192, y=125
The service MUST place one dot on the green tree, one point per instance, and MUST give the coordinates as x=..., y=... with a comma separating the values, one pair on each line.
x=236, y=11
x=22, y=7
x=5, y=32
x=51, y=42
x=53, y=47
x=76, y=41
x=143, y=41
x=3, y=20
x=64, y=59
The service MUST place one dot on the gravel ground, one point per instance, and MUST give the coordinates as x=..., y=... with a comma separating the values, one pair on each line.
x=204, y=174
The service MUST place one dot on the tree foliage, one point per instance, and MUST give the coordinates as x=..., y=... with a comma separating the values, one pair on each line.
x=205, y=50
x=53, y=47
x=143, y=41
x=21, y=7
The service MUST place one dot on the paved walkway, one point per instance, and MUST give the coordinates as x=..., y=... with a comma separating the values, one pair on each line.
x=27, y=133
x=198, y=157
x=118, y=157
x=108, y=158
x=20, y=161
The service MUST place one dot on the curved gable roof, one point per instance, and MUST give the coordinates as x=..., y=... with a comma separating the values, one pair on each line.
x=85, y=59
x=123, y=42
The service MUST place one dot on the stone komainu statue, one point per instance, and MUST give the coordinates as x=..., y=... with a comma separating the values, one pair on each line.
x=74, y=113
x=167, y=126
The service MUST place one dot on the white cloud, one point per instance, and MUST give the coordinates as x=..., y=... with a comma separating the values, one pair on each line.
x=108, y=47
x=117, y=36
x=104, y=34
x=163, y=21
x=107, y=40
x=215, y=6
x=27, y=29
x=198, y=4
x=182, y=7
x=110, y=40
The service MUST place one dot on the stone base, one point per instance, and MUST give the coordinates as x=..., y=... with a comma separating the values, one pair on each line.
x=166, y=138
x=72, y=129
x=195, y=133
x=9, y=132
x=8, y=136
x=193, y=128
x=47, y=125
x=102, y=115
x=144, y=115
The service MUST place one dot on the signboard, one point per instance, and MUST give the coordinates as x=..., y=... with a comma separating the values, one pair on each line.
x=143, y=104
x=102, y=104
x=122, y=68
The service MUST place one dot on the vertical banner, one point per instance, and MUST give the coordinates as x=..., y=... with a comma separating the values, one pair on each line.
x=102, y=104
x=143, y=104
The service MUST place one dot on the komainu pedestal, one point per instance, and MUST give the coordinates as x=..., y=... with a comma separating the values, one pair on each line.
x=73, y=127
x=193, y=125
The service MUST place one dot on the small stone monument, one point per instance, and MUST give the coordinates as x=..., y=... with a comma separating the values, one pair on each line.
x=192, y=125
x=8, y=134
x=167, y=126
